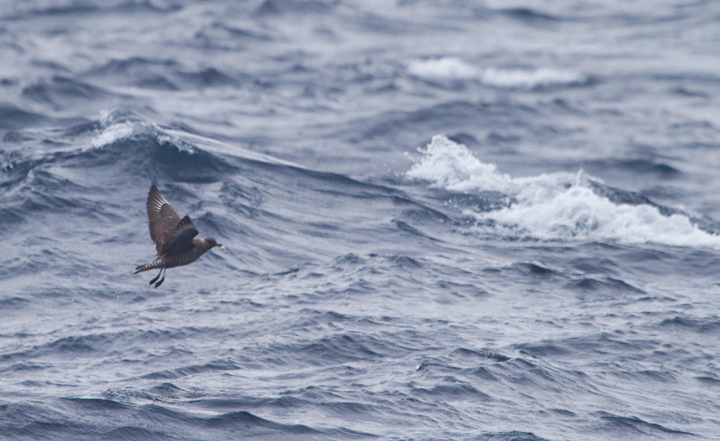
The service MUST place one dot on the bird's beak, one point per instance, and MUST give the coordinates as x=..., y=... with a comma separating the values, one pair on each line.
x=222, y=247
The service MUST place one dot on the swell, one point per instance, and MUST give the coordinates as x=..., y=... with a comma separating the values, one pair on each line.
x=61, y=90
x=77, y=181
x=14, y=118
x=84, y=8
x=94, y=193
x=109, y=419
x=165, y=73
x=276, y=8
x=94, y=345
x=529, y=15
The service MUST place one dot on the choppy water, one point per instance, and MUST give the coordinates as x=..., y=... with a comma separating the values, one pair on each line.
x=444, y=219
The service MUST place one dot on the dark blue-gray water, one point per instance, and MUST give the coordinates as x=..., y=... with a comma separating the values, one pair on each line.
x=444, y=219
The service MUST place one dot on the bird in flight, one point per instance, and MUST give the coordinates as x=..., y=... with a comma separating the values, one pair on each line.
x=173, y=237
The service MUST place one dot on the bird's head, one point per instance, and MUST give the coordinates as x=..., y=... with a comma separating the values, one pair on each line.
x=212, y=243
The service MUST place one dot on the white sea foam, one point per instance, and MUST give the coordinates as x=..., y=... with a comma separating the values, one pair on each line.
x=113, y=133
x=444, y=68
x=552, y=206
x=453, y=68
x=118, y=131
x=183, y=141
x=528, y=79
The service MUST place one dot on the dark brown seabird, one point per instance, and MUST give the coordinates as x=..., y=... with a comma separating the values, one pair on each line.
x=173, y=237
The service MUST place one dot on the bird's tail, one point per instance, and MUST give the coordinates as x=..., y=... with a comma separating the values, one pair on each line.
x=157, y=263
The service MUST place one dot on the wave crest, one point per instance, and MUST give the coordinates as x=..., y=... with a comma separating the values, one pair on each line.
x=554, y=206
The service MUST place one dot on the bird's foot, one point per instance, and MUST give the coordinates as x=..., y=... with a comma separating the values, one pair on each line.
x=155, y=279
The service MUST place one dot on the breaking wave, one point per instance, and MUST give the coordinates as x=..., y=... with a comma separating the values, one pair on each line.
x=552, y=206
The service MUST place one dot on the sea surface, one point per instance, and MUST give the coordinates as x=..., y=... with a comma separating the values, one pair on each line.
x=443, y=219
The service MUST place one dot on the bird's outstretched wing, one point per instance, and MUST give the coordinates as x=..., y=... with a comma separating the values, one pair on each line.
x=180, y=239
x=163, y=219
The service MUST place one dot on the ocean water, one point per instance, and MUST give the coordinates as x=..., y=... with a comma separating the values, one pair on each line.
x=443, y=219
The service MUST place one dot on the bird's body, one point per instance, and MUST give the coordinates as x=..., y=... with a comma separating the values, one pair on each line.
x=173, y=237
